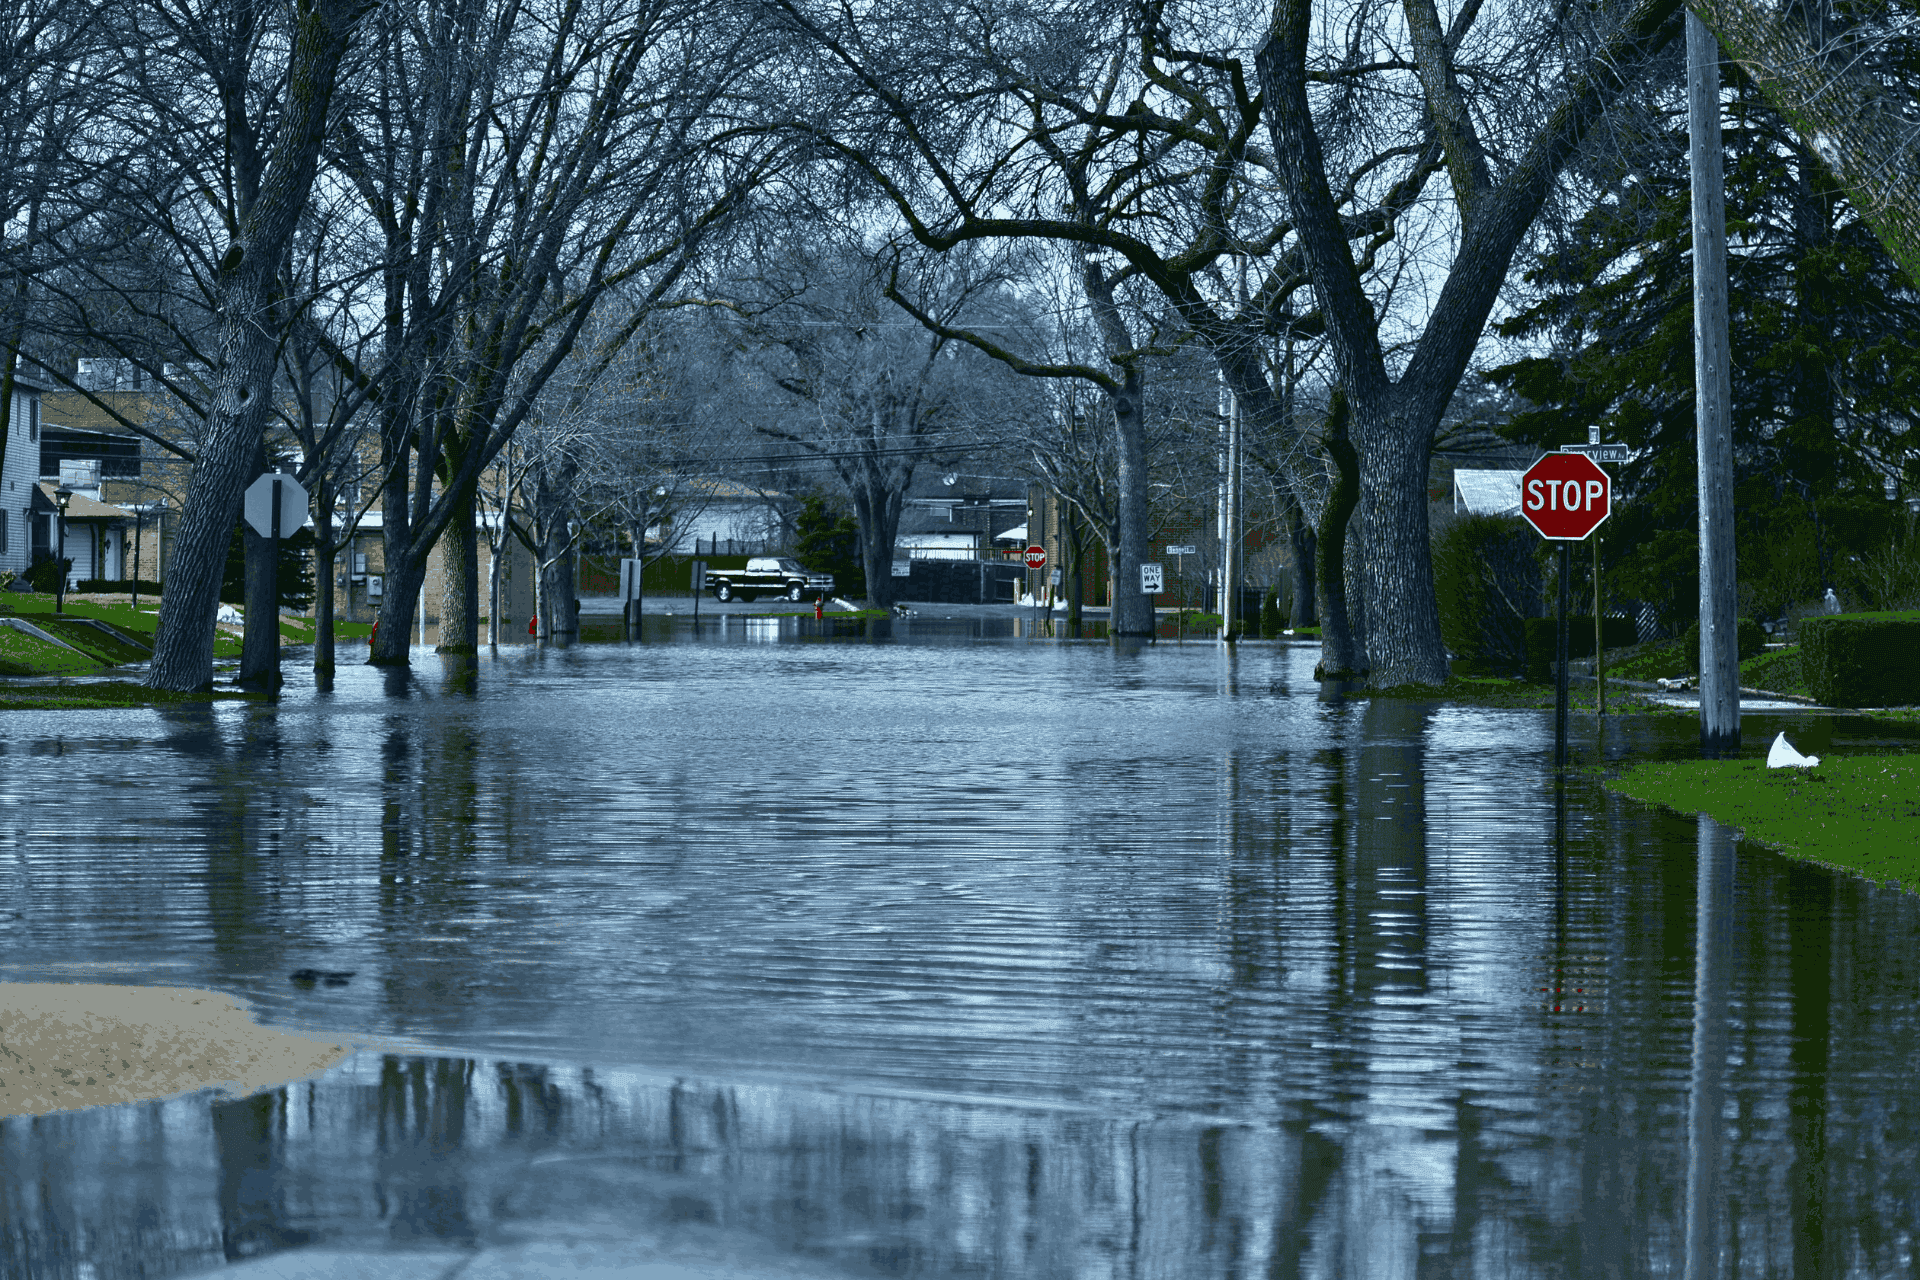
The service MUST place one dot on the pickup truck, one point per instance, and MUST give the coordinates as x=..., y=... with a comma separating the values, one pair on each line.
x=768, y=575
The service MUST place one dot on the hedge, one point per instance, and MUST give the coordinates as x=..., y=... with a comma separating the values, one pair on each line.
x=1862, y=659
x=1542, y=640
x=116, y=584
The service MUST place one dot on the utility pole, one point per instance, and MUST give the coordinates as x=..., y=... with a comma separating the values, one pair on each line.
x=1713, y=394
x=1229, y=514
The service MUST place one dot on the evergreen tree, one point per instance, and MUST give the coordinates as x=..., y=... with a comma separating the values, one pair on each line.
x=1826, y=361
x=829, y=542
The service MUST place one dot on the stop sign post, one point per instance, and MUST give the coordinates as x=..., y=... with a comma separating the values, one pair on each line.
x=1566, y=496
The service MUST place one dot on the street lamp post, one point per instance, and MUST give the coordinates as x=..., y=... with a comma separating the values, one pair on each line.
x=62, y=496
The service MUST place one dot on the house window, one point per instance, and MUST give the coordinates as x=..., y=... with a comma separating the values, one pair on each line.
x=3, y=532
x=33, y=419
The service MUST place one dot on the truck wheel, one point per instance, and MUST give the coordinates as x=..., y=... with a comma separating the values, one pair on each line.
x=795, y=591
x=723, y=592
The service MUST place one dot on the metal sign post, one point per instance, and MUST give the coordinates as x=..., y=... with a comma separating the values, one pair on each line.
x=699, y=585
x=1565, y=496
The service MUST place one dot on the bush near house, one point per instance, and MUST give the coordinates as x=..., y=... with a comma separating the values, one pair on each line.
x=1749, y=638
x=44, y=575
x=122, y=585
x=1486, y=581
x=1862, y=659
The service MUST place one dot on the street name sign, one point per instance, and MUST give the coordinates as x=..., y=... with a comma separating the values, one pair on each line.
x=1183, y=551
x=1565, y=496
x=260, y=511
x=1036, y=557
x=1615, y=453
x=1153, y=579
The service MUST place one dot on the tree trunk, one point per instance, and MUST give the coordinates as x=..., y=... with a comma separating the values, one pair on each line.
x=237, y=410
x=260, y=641
x=393, y=632
x=497, y=545
x=1338, y=657
x=1305, y=553
x=1132, y=608
x=1074, y=538
x=876, y=509
x=460, y=579
x=1402, y=617
x=324, y=551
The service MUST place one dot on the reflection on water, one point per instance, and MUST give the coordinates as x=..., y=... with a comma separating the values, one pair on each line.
x=910, y=951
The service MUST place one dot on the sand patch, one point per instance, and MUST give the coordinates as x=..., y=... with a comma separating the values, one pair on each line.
x=69, y=1045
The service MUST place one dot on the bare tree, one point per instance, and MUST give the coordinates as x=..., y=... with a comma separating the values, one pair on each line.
x=519, y=162
x=863, y=389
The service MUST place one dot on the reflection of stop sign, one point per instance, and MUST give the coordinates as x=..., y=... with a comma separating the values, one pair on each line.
x=1036, y=557
x=1565, y=496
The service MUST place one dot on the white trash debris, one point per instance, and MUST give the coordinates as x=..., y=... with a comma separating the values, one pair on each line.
x=1783, y=756
x=229, y=615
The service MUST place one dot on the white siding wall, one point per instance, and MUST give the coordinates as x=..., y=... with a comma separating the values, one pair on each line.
x=20, y=470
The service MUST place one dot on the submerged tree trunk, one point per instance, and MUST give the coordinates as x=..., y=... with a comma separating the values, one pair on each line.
x=876, y=510
x=1402, y=641
x=1304, y=548
x=1132, y=608
x=460, y=579
x=237, y=410
x=1339, y=659
x=325, y=548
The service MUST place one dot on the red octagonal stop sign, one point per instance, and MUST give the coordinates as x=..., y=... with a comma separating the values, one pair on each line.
x=1565, y=496
x=1036, y=557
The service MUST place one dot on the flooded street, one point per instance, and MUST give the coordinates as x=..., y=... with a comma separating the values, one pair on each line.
x=909, y=951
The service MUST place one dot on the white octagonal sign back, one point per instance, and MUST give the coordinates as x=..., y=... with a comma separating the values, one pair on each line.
x=259, y=505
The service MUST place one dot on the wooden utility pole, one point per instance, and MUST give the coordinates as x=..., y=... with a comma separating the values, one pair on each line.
x=1713, y=394
x=1229, y=516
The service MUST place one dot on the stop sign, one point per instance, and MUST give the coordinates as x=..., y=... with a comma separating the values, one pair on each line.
x=1565, y=496
x=1036, y=557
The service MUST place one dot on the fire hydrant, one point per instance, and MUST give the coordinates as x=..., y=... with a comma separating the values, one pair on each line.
x=819, y=607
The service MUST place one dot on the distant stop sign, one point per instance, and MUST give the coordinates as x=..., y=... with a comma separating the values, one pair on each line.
x=1036, y=557
x=1565, y=496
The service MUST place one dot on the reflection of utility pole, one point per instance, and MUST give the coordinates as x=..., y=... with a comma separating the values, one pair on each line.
x=1713, y=909
x=1713, y=384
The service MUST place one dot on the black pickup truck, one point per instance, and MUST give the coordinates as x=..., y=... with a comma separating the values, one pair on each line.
x=767, y=576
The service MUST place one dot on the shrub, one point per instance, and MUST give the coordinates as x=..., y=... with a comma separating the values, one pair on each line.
x=1271, y=623
x=828, y=541
x=45, y=575
x=1861, y=659
x=1487, y=582
x=147, y=588
x=1543, y=638
x=1749, y=639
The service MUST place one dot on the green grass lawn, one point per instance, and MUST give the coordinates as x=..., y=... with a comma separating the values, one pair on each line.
x=103, y=695
x=1858, y=813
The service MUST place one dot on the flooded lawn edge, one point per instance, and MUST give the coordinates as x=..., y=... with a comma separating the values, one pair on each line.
x=1858, y=814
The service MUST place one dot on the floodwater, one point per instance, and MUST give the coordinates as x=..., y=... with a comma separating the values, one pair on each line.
x=905, y=949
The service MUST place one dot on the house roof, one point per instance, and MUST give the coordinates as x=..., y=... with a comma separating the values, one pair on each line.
x=1487, y=493
x=82, y=507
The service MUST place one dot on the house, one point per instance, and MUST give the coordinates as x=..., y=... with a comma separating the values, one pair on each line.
x=95, y=536
x=711, y=516
x=19, y=472
x=1487, y=493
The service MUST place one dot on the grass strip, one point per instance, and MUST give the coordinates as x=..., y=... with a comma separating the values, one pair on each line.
x=103, y=695
x=1858, y=813
x=1497, y=691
